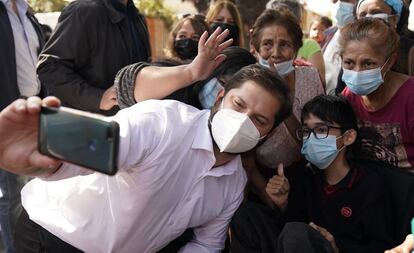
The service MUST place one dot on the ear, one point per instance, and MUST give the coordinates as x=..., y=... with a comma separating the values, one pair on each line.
x=392, y=61
x=349, y=137
x=253, y=50
x=220, y=95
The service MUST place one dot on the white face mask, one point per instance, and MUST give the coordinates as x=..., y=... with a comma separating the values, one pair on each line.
x=283, y=68
x=234, y=132
x=344, y=14
x=383, y=16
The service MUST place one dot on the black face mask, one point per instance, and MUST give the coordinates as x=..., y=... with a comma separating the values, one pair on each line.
x=186, y=49
x=233, y=29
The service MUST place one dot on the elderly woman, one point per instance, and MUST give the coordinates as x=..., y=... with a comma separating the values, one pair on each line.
x=310, y=51
x=277, y=38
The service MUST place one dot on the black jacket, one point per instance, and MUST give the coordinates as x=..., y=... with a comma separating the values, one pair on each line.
x=91, y=42
x=368, y=211
x=9, y=91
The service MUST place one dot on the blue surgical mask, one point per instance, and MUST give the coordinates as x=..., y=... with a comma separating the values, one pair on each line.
x=208, y=93
x=344, y=14
x=363, y=82
x=283, y=68
x=320, y=152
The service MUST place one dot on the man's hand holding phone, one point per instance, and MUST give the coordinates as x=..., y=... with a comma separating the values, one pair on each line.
x=37, y=136
x=19, y=127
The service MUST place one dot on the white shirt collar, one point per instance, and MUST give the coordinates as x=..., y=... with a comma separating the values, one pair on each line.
x=204, y=139
x=22, y=5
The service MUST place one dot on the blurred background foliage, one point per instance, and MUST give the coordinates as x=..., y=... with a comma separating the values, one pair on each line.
x=156, y=9
x=48, y=5
x=149, y=8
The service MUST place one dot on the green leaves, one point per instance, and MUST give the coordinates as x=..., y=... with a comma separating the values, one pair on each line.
x=47, y=5
x=156, y=9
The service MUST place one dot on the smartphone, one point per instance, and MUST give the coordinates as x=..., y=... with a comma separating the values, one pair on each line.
x=82, y=138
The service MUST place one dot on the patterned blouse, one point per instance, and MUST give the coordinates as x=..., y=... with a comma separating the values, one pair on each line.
x=281, y=146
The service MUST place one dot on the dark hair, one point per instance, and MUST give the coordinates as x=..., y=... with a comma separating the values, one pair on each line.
x=325, y=21
x=335, y=109
x=269, y=81
x=46, y=30
x=282, y=17
x=332, y=109
x=236, y=59
x=293, y=5
x=402, y=26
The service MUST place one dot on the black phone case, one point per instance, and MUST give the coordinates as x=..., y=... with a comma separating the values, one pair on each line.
x=86, y=141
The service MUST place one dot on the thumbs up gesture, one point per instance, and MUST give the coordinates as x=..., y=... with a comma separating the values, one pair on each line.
x=278, y=188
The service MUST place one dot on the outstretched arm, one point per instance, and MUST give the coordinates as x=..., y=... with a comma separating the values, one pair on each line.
x=170, y=79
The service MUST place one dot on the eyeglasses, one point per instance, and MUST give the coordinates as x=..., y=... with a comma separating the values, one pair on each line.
x=320, y=132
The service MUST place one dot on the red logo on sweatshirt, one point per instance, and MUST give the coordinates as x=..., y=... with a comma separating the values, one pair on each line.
x=346, y=212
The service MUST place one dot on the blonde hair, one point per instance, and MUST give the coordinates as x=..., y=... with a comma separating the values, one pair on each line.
x=197, y=22
x=215, y=9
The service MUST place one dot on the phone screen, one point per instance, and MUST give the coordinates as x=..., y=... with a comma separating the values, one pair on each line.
x=81, y=138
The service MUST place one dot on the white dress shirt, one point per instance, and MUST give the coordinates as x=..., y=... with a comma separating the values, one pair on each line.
x=165, y=185
x=333, y=62
x=26, y=43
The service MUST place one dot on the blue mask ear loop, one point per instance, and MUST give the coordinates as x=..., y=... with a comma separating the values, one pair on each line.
x=385, y=63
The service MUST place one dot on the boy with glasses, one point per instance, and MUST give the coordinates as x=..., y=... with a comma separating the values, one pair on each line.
x=342, y=200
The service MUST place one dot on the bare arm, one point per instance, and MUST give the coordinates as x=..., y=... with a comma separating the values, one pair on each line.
x=170, y=79
x=317, y=61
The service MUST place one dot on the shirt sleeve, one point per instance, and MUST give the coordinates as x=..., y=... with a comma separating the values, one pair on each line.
x=125, y=84
x=211, y=237
x=141, y=129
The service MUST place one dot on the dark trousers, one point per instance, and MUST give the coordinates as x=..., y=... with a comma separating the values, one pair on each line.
x=255, y=228
x=10, y=206
x=32, y=238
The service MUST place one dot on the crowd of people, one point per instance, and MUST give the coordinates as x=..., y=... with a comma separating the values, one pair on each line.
x=257, y=140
